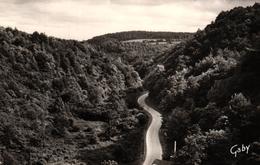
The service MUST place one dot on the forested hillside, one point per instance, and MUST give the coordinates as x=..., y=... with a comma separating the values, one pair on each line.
x=64, y=101
x=209, y=92
x=140, y=55
x=137, y=54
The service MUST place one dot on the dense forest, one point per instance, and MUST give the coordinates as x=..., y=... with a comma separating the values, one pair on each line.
x=209, y=93
x=64, y=101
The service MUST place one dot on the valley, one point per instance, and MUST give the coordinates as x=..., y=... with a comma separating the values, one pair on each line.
x=125, y=98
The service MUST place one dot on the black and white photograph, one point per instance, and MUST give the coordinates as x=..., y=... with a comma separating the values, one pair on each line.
x=130, y=82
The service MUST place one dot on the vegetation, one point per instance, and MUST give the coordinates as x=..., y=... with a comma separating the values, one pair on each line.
x=140, y=55
x=209, y=92
x=68, y=101
x=62, y=99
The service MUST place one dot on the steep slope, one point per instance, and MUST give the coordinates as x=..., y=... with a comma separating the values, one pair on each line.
x=62, y=100
x=209, y=92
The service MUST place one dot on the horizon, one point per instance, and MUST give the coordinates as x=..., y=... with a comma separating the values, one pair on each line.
x=84, y=19
x=93, y=36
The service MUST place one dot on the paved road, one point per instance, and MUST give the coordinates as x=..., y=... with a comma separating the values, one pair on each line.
x=153, y=146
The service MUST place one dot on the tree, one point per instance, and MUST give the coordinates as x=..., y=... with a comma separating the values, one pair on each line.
x=239, y=102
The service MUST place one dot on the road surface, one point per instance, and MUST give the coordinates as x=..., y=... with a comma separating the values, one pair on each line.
x=153, y=148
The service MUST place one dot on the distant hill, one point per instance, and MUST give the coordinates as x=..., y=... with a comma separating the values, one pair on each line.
x=209, y=93
x=131, y=35
x=142, y=48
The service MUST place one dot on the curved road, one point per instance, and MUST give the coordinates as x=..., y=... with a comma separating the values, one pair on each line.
x=153, y=146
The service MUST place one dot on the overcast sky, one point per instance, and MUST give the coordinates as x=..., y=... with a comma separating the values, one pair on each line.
x=83, y=19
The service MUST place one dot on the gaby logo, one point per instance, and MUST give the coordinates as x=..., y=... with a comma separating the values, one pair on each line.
x=236, y=149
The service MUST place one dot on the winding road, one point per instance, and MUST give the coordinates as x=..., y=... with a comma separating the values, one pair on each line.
x=153, y=148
